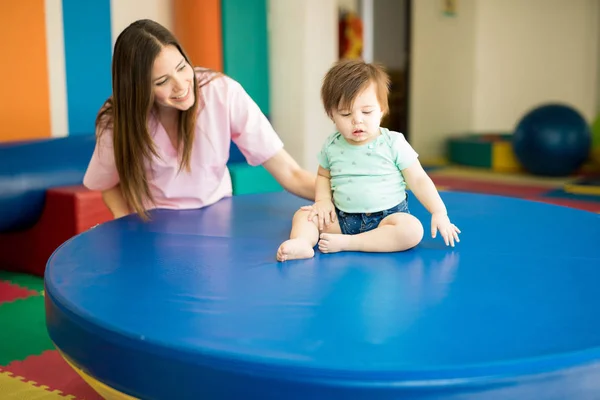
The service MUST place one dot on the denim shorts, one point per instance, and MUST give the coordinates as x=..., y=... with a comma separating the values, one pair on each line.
x=352, y=224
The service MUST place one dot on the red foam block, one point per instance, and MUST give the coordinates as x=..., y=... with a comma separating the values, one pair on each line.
x=67, y=212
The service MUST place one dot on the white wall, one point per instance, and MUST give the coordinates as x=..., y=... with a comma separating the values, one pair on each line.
x=531, y=52
x=442, y=69
x=57, y=75
x=349, y=5
x=484, y=69
x=124, y=12
x=303, y=45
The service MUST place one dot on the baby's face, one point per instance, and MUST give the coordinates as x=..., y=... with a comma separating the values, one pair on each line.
x=360, y=125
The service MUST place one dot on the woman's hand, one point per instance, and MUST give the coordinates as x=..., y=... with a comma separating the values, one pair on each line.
x=324, y=210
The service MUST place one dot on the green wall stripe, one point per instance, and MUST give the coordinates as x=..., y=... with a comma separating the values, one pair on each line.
x=245, y=47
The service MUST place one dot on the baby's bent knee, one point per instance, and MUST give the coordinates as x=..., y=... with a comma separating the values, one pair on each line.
x=302, y=213
x=409, y=227
x=415, y=226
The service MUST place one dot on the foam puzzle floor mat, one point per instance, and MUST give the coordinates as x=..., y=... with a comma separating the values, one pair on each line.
x=30, y=366
x=544, y=189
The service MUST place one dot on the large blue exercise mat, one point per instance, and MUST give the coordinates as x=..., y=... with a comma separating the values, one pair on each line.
x=194, y=305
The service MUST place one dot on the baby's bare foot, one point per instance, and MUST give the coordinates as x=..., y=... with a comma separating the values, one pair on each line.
x=294, y=249
x=334, y=242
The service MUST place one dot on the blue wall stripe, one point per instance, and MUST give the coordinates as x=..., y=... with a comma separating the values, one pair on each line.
x=88, y=52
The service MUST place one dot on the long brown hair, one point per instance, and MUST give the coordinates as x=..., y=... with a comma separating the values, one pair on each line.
x=127, y=110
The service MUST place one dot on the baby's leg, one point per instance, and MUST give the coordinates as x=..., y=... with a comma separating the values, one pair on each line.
x=303, y=237
x=396, y=232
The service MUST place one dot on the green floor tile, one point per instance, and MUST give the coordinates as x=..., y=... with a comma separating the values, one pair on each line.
x=27, y=281
x=23, y=329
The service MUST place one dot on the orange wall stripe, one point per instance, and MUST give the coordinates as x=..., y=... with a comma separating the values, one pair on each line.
x=197, y=25
x=25, y=103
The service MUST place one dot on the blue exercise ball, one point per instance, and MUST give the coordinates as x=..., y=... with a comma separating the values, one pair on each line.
x=552, y=140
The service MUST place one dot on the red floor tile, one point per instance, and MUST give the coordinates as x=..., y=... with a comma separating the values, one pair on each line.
x=49, y=369
x=11, y=292
x=497, y=188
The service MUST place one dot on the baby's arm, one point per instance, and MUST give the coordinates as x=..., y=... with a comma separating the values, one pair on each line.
x=424, y=189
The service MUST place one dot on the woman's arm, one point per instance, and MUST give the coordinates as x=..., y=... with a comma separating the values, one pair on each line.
x=323, y=188
x=114, y=200
x=291, y=176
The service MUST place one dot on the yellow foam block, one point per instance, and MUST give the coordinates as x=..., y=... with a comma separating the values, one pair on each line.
x=582, y=189
x=596, y=154
x=501, y=177
x=434, y=162
x=17, y=388
x=504, y=158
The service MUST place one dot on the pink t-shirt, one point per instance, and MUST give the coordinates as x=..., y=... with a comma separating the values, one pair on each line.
x=228, y=114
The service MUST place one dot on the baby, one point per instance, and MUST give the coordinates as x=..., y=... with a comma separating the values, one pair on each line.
x=361, y=202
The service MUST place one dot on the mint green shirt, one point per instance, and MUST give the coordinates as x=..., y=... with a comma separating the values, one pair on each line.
x=367, y=178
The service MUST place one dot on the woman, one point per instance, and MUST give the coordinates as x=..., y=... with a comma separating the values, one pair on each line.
x=163, y=137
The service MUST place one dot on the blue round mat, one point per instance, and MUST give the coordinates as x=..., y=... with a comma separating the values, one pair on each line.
x=194, y=305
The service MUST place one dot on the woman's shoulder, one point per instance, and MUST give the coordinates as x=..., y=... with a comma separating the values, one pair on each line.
x=104, y=119
x=210, y=81
x=218, y=91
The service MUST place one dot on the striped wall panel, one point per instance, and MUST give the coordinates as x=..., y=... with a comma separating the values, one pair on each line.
x=24, y=104
x=88, y=49
x=59, y=119
x=57, y=63
x=197, y=25
x=245, y=47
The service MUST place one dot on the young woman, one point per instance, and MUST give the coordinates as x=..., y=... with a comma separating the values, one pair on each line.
x=163, y=137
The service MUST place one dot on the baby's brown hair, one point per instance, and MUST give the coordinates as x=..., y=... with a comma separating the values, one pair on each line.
x=347, y=79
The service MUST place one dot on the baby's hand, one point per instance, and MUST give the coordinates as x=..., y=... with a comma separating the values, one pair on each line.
x=324, y=210
x=449, y=231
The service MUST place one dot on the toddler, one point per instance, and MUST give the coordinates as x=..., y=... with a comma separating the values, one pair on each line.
x=361, y=202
